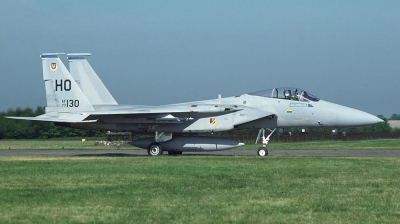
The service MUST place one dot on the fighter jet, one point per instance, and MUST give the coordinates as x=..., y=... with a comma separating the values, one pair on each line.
x=79, y=99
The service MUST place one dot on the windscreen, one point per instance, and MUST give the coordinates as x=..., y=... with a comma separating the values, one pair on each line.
x=287, y=93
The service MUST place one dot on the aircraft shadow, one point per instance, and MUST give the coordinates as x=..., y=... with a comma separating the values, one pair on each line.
x=137, y=155
x=107, y=155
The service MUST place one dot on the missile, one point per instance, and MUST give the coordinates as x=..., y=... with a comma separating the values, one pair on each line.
x=190, y=143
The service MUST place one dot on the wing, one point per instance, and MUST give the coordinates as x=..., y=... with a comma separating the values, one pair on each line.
x=163, y=114
x=172, y=114
x=153, y=114
x=138, y=114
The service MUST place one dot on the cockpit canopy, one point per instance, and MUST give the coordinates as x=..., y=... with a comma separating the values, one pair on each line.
x=288, y=93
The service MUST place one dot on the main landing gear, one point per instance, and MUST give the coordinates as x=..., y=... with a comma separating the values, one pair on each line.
x=262, y=151
x=156, y=149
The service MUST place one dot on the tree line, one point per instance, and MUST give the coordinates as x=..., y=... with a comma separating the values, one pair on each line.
x=22, y=129
x=395, y=117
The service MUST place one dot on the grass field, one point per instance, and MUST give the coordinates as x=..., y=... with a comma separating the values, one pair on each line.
x=199, y=190
x=76, y=144
x=70, y=144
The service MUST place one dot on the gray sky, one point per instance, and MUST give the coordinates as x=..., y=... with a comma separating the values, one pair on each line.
x=160, y=52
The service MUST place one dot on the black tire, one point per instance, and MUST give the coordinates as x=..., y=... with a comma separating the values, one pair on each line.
x=262, y=151
x=155, y=149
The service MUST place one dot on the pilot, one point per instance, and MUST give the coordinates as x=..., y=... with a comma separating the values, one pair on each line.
x=287, y=94
x=294, y=96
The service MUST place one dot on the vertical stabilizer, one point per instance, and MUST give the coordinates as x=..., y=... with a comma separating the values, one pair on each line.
x=87, y=79
x=62, y=92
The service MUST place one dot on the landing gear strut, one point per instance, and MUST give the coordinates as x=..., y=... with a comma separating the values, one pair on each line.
x=155, y=148
x=262, y=151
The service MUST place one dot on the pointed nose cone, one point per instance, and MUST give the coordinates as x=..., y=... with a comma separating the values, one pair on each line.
x=342, y=116
x=354, y=118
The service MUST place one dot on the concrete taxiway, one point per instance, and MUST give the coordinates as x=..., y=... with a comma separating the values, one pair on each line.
x=272, y=153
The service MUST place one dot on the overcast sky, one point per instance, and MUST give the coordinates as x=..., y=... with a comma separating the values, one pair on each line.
x=161, y=52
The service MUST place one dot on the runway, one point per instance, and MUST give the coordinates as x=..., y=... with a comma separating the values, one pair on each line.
x=272, y=153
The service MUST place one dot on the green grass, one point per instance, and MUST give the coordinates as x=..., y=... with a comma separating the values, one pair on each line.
x=375, y=144
x=199, y=190
x=76, y=144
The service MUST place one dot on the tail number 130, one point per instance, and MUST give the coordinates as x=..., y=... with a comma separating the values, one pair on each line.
x=70, y=103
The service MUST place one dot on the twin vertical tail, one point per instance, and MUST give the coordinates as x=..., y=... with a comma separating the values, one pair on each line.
x=88, y=81
x=62, y=92
x=69, y=100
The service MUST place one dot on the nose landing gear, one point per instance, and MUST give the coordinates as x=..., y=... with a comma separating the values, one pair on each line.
x=262, y=151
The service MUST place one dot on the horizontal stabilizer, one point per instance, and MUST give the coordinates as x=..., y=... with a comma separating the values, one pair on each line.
x=57, y=117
